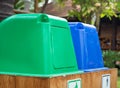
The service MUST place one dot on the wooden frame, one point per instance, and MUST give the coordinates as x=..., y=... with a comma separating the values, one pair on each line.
x=89, y=80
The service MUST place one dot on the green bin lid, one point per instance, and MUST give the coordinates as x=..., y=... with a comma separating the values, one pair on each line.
x=36, y=44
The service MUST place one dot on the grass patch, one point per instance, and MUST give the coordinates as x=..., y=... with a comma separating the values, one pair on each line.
x=118, y=82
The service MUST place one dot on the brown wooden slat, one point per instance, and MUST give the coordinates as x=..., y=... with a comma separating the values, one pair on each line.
x=58, y=82
x=89, y=80
x=7, y=81
x=32, y=82
x=114, y=75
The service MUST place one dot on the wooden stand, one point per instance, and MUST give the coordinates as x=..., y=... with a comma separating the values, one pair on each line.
x=89, y=80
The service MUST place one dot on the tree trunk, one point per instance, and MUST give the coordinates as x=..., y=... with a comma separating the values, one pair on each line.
x=44, y=6
x=36, y=6
x=6, y=8
x=97, y=21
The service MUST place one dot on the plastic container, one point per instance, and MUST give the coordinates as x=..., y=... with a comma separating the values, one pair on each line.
x=36, y=45
x=87, y=47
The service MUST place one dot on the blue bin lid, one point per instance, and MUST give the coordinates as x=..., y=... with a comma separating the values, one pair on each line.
x=86, y=46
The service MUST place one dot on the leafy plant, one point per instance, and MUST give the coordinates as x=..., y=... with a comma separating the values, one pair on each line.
x=110, y=57
x=22, y=4
x=29, y=4
x=19, y=4
x=90, y=11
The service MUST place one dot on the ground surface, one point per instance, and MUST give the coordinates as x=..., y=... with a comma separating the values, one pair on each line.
x=118, y=82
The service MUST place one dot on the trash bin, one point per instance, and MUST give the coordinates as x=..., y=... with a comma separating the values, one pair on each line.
x=87, y=46
x=36, y=45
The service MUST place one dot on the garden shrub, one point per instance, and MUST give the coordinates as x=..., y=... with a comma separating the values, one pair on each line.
x=110, y=57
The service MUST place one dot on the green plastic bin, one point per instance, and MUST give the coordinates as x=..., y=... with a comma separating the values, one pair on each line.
x=36, y=45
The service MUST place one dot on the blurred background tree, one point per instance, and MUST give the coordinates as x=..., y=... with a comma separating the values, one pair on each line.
x=8, y=7
x=36, y=5
x=90, y=11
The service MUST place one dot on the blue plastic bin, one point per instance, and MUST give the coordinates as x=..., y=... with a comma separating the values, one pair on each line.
x=87, y=47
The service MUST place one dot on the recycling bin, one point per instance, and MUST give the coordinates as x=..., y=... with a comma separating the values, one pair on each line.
x=36, y=45
x=87, y=47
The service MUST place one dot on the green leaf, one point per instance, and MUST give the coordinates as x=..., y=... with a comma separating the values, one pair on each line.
x=102, y=15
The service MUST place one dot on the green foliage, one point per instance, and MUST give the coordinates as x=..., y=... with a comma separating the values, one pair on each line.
x=60, y=1
x=88, y=9
x=118, y=82
x=109, y=58
x=110, y=9
x=118, y=5
x=119, y=75
x=19, y=4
